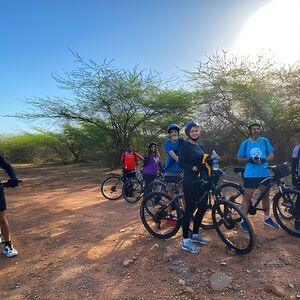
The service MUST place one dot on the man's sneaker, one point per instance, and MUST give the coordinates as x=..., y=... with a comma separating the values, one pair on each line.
x=271, y=223
x=189, y=246
x=197, y=238
x=297, y=225
x=9, y=251
x=244, y=226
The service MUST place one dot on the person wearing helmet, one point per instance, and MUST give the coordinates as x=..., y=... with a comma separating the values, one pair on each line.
x=296, y=183
x=152, y=163
x=8, y=250
x=190, y=160
x=256, y=152
x=129, y=161
x=173, y=173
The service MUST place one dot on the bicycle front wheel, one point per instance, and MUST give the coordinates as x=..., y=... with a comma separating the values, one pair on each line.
x=111, y=187
x=284, y=210
x=226, y=216
x=158, y=216
x=132, y=190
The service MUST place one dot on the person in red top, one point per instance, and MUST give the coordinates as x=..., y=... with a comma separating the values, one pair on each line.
x=128, y=161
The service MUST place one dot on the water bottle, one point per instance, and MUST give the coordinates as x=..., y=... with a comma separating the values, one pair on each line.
x=215, y=161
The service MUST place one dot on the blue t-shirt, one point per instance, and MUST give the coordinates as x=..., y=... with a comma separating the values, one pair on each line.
x=171, y=165
x=261, y=148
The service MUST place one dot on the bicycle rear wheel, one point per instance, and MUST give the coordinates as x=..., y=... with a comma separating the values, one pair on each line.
x=232, y=192
x=284, y=210
x=226, y=216
x=156, y=217
x=132, y=190
x=111, y=187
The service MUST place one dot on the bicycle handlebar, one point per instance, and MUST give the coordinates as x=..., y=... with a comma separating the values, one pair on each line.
x=6, y=185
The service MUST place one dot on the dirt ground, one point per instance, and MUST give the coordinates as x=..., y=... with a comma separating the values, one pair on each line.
x=73, y=243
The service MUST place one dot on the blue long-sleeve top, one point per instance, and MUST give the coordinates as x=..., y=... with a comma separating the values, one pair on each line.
x=190, y=155
x=7, y=167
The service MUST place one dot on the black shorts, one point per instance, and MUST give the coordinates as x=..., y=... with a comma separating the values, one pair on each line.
x=2, y=199
x=254, y=182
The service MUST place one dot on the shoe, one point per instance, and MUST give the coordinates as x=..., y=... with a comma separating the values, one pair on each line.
x=189, y=246
x=244, y=227
x=197, y=238
x=297, y=225
x=9, y=251
x=271, y=223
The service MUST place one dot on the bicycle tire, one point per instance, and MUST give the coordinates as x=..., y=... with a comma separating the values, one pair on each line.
x=132, y=190
x=230, y=215
x=156, y=186
x=232, y=192
x=111, y=187
x=154, y=212
x=284, y=210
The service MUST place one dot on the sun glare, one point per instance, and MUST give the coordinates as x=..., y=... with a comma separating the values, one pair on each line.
x=275, y=28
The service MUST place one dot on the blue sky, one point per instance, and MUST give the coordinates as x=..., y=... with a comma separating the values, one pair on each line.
x=158, y=34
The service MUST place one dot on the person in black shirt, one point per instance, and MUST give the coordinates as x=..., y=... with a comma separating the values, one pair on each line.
x=190, y=160
x=8, y=249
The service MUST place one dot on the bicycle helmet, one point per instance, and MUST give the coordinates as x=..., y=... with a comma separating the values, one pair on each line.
x=252, y=123
x=151, y=143
x=173, y=127
x=189, y=125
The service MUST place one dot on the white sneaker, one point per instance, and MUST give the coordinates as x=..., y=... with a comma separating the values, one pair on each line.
x=9, y=251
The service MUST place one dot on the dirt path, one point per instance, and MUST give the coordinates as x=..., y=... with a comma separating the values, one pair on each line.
x=72, y=244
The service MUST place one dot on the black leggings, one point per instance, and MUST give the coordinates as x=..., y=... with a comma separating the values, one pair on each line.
x=191, y=196
x=297, y=205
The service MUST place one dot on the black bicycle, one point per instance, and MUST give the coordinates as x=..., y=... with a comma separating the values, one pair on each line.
x=156, y=217
x=133, y=189
x=112, y=186
x=284, y=201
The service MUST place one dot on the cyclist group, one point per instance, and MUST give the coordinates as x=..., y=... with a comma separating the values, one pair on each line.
x=187, y=160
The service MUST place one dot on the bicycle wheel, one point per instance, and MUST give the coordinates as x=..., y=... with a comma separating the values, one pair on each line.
x=226, y=216
x=231, y=191
x=156, y=217
x=111, y=187
x=284, y=210
x=155, y=186
x=132, y=190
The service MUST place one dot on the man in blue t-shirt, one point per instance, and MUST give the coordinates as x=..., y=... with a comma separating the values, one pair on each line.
x=256, y=152
x=173, y=173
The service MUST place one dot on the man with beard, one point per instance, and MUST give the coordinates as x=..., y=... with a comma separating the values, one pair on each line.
x=256, y=152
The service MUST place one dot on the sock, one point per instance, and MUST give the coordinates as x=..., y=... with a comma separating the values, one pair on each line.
x=7, y=243
x=267, y=217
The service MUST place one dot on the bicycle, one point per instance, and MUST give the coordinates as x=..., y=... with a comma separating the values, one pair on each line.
x=226, y=215
x=283, y=201
x=111, y=187
x=133, y=189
